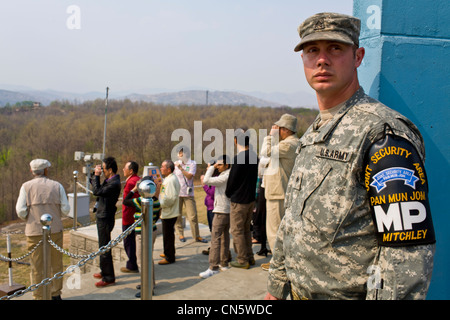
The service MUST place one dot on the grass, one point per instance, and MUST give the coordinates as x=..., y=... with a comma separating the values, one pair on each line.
x=199, y=195
x=21, y=271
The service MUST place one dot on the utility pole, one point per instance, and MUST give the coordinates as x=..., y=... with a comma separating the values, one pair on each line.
x=104, y=129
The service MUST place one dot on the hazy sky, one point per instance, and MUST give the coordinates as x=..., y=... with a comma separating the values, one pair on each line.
x=87, y=45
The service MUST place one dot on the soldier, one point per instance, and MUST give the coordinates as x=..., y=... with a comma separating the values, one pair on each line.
x=357, y=223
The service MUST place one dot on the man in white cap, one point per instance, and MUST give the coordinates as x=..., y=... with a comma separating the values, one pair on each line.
x=279, y=148
x=36, y=197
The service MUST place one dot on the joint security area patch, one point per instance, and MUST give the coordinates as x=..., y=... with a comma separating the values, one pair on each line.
x=397, y=188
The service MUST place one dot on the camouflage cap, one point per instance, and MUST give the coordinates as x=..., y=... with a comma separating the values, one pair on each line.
x=329, y=26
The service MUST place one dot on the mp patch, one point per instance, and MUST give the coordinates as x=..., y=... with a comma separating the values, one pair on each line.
x=397, y=187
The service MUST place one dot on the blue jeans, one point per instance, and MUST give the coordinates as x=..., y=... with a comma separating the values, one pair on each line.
x=210, y=216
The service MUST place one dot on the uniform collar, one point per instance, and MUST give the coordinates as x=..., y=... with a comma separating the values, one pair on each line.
x=327, y=129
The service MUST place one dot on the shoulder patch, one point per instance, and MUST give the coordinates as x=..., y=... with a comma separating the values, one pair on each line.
x=397, y=188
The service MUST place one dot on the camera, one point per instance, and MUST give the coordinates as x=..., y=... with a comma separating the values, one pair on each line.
x=189, y=190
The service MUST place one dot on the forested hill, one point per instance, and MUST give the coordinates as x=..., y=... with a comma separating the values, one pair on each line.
x=139, y=131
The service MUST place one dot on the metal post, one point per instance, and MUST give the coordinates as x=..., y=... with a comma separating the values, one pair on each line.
x=11, y=287
x=8, y=249
x=147, y=249
x=88, y=175
x=46, y=221
x=75, y=200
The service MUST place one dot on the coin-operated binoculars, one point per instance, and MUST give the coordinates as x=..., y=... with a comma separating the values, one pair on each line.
x=147, y=190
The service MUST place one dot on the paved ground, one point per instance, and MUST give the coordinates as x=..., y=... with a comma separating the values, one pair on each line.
x=177, y=281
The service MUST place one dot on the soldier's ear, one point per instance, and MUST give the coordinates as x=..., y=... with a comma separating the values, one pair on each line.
x=359, y=56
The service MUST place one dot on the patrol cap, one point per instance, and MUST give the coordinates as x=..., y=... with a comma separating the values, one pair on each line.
x=39, y=164
x=329, y=26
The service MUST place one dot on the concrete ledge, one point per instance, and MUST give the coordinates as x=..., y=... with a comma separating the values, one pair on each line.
x=84, y=241
x=177, y=281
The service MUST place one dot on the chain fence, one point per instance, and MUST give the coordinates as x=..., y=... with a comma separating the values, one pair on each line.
x=6, y=259
x=84, y=258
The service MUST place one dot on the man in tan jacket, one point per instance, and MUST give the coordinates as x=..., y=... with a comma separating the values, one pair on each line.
x=170, y=209
x=39, y=196
x=279, y=148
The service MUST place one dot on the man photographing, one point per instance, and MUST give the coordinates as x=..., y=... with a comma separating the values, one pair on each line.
x=107, y=195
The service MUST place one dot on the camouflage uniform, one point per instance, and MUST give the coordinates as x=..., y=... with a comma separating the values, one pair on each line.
x=326, y=246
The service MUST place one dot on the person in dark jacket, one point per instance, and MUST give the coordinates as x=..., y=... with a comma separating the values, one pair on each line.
x=240, y=189
x=107, y=195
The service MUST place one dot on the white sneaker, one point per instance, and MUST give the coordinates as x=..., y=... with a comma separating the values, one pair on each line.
x=224, y=268
x=208, y=273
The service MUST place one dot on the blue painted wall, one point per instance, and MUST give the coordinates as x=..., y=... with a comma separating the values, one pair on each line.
x=407, y=67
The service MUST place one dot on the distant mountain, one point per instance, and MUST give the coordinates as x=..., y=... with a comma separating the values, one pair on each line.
x=44, y=97
x=189, y=97
x=203, y=97
x=12, y=97
x=294, y=99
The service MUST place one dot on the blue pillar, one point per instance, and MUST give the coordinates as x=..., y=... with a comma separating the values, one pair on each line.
x=407, y=67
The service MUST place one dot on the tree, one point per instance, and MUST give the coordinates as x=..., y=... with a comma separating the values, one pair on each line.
x=138, y=131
